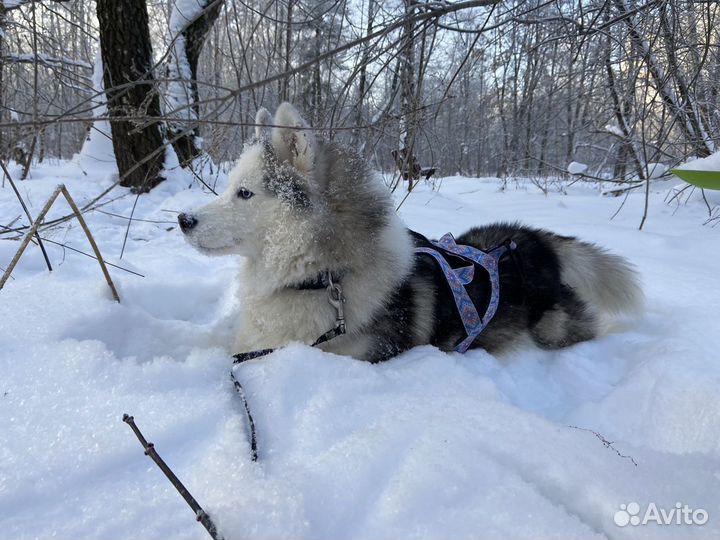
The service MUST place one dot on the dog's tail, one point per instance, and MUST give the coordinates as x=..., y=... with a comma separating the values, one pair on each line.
x=602, y=280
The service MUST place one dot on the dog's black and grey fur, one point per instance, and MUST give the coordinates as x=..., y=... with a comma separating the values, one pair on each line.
x=534, y=299
x=296, y=207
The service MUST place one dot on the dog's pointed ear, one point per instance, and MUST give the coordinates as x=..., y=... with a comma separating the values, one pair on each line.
x=296, y=146
x=263, y=119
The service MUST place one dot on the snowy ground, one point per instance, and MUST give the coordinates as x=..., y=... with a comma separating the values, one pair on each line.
x=426, y=445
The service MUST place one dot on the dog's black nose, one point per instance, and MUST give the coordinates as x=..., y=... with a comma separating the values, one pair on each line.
x=186, y=221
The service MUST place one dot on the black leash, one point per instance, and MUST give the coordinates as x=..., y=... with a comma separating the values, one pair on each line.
x=251, y=422
x=336, y=299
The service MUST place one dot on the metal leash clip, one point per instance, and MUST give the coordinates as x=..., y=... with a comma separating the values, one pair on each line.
x=336, y=299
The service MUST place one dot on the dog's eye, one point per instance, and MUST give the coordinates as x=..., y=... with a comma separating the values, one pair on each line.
x=244, y=193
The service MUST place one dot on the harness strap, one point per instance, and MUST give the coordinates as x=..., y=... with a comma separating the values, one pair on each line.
x=318, y=281
x=457, y=278
x=251, y=355
x=330, y=334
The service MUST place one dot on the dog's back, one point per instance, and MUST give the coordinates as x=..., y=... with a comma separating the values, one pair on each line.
x=557, y=288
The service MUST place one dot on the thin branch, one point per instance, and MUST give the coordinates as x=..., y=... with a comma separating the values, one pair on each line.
x=200, y=514
x=27, y=213
x=33, y=232
x=606, y=443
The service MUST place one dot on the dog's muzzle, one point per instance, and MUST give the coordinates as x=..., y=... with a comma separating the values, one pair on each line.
x=186, y=221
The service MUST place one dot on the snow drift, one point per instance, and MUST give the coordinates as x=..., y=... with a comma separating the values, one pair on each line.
x=425, y=445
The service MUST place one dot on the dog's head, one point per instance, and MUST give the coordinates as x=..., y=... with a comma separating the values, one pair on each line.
x=271, y=190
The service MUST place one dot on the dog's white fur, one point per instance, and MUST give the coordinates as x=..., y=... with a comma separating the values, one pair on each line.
x=259, y=229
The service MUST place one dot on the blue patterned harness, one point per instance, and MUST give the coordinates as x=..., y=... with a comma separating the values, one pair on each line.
x=457, y=278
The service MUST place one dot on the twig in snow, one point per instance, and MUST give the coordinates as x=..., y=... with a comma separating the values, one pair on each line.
x=65, y=246
x=714, y=218
x=127, y=229
x=33, y=232
x=135, y=219
x=90, y=238
x=619, y=191
x=81, y=252
x=197, y=177
x=27, y=213
x=707, y=204
x=92, y=205
x=9, y=225
x=627, y=194
x=677, y=194
x=5, y=270
x=150, y=451
x=28, y=236
x=606, y=443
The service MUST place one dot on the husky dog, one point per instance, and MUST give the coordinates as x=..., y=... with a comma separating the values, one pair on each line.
x=298, y=208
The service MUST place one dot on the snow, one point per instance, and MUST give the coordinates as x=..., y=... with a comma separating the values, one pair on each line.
x=184, y=12
x=97, y=155
x=425, y=445
x=178, y=96
x=576, y=168
x=710, y=163
x=46, y=59
x=614, y=130
x=656, y=170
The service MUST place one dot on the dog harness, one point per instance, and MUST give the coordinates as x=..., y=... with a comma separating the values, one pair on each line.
x=458, y=278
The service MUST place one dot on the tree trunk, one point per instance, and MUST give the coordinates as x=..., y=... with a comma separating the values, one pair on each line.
x=189, y=29
x=408, y=106
x=362, y=81
x=316, y=85
x=4, y=148
x=130, y=90
x=285, y=89
x=622, y=110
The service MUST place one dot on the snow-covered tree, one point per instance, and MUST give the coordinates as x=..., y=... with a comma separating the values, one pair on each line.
x=190, y=22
